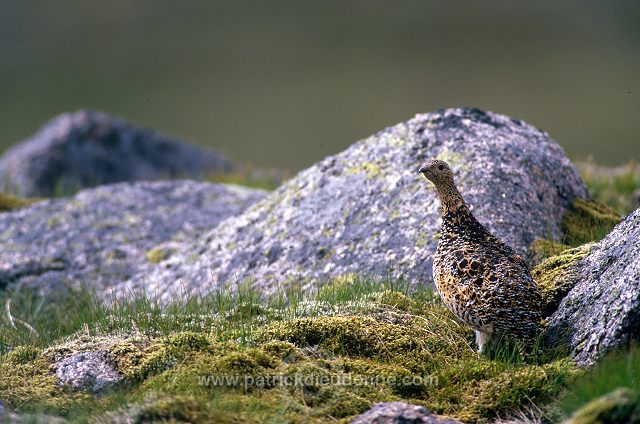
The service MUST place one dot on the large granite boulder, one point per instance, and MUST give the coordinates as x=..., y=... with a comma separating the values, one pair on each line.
x=105, y=235
x=88, y=148
x=366, y=210
x=601, y=312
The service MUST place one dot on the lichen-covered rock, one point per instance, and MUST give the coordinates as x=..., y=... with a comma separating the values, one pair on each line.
x=367, y=209
x=622, y=406
x=602, y=310
x=104, y=235
x=87, y=148
x=400, y=413
x=88, y=371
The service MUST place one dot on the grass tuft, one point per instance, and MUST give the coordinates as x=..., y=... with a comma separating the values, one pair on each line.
x=617, y=187
x=9, y=202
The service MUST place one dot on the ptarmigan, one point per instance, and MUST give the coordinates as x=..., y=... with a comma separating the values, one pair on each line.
x=480, y=279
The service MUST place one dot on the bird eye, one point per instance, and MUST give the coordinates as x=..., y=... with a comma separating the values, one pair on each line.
x=441, y=167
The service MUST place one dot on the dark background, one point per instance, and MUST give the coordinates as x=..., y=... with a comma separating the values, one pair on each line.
x=285, y=83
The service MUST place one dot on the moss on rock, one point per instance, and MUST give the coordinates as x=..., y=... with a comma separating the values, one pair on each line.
x=557, y=275
x=28, y=384
x=542, y=249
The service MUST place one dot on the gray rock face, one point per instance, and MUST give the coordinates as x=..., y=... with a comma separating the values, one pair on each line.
x=88, y=148
x=102, y=236
x=602, y=311
x=366, y=210
x=400, y=413
x=88, y=371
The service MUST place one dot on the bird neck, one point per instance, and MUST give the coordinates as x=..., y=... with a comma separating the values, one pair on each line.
x=452, y=201
x=457, y=219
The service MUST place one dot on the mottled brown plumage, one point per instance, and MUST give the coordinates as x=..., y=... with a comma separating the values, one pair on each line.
x=480, y=279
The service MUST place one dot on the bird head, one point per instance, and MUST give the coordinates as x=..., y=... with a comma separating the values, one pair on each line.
x=437, y=171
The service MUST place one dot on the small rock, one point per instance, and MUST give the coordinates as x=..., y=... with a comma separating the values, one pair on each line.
x=87, y=148
x=601, y=312
x=400, y=413
x=88, y=371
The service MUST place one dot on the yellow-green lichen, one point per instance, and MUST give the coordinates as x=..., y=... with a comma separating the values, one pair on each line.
x=158, y=254
x=454, y=159
x=372, y=170
x=557, y=275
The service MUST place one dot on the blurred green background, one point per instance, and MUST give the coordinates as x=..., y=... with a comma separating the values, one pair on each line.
x=285, y=83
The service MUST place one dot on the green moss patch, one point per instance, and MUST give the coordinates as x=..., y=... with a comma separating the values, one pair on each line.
x=542, y=249
x=557, y=275
x=27, y=383
x=176, y=408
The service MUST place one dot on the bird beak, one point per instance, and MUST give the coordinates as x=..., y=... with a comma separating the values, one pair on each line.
x=422, y=169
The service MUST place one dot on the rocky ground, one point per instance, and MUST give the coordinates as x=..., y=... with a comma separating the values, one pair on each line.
x=316, y=295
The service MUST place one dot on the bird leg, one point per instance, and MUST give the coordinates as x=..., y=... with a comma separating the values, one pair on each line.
x=483, y=340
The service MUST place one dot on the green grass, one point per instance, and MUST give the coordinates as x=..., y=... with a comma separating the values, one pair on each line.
x=619, y=369
x=617, y=187
x=249, y=176
x=355, y=327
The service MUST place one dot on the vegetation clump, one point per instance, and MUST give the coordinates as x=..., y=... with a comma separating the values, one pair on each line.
x=620, y=406
x=9, y=202
x=587, y=221
x=618, y=187
x=608, y=393
x=557, y=275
